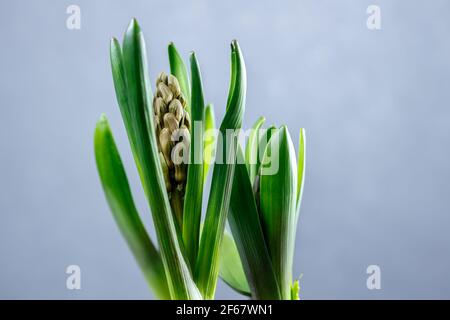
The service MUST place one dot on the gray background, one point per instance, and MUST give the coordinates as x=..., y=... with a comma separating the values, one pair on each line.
x=374, y=104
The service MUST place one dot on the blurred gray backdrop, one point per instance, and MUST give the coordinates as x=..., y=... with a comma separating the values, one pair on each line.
x=375, y=105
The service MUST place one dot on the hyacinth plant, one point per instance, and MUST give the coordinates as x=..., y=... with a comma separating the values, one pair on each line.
x=173, y=148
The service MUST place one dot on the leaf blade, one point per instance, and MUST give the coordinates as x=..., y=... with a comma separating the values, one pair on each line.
x=179, y=70
x=121, y=89
x=301, y=167
x=248, y=233
x=194, y=187
x=210, y=139
x=207, y=266
x=251, y=149
x=117, y=191
x=278, y=197
x=142, y=131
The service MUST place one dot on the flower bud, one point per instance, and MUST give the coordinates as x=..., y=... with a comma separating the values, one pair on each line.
x=162, y=77
x=176, y=108
x=166, y=145
x=170, y=122
x=159, y=106
x=173, y=84
x=164, y=92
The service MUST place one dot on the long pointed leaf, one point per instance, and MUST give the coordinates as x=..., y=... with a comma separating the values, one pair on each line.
x=278, y=206
x=178, y=69
x=301, y=167
x=251, y=149
x=207, y=267
x=120, y=86
x=208, y=148
x=118, y=194
x=234, y=72
x=264, y=138
x=194, y=187
x=248, y=234
x=142, y=138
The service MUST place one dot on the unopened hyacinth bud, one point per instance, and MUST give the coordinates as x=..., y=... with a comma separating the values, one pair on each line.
x=172, y=125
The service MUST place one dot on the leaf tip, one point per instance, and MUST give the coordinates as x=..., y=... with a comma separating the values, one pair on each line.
x=172, y=50
x=234, y=44
x=102, y=120
x=302, y=134
x=259, y=122
x=133, y=25
x=114, y=46
x=283, y=130
x=102, y=123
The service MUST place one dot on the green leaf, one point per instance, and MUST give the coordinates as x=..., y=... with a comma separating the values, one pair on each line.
x=210, y=137
x=278, y=192
x=264, y=138
x=295, y=290
x=207, y=267
x=251, y=149
x=118, y=194
x=194, y=187
x=178, y=69
x=248, y=234
x=231, y=270
x=301, y=167
x=120, y=85
x=234, y=72
x=141, y=134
